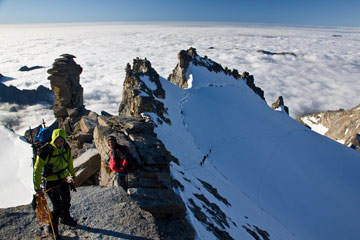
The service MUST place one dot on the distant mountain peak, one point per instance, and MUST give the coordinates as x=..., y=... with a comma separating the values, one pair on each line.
x=340, y=125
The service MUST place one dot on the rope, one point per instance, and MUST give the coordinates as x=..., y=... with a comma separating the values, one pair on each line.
x=43, y=213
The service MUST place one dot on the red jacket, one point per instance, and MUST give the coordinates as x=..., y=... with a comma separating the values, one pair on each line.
x=122, y=161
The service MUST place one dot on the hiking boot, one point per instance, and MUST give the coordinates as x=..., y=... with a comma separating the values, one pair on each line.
x=68, y=221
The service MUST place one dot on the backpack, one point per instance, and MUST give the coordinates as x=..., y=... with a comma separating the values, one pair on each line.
x=132, y=165
x=43, y=135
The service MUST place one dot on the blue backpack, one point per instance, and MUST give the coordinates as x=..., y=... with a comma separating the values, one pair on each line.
x=43, y=135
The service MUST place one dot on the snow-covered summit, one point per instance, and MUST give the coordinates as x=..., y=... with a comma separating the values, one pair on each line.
x=189, y=60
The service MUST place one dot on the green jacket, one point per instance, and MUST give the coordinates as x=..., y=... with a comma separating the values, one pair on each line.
x=59, y=163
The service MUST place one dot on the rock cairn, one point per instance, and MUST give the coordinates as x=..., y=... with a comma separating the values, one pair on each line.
x=65, y=83
x=190, y=56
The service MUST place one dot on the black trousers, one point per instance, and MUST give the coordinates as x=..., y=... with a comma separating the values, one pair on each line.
x=120, y=180
x=60, y=199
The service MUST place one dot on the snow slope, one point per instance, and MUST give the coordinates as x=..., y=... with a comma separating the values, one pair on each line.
x=275, y=173
x=16, y=186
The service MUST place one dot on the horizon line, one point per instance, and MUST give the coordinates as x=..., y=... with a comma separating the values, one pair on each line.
x=176, y=22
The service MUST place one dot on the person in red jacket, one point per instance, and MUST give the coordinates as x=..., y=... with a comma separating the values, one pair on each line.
x=118, y=162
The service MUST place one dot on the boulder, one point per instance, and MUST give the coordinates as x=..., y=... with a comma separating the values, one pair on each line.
x=87, y=165
x=84, y=137
x=88, y=124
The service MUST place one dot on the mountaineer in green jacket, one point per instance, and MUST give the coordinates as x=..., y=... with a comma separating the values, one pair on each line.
x=56, y=160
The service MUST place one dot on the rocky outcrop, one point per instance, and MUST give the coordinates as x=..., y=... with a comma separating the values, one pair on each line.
x=27, y=69
x=279, y=105
x=152, y=159
x=65, y=83
x=142, y=90
x=178, y=77
x=342, y=125
x=251, y=83
x=274, y=53
x=190, y=56
x=11, y=94
x=150, y=185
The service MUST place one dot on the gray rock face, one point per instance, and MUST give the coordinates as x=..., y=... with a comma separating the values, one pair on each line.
x=150, y=185
x=101, y=213
x=190, y=56
x=65, y=83
x=342, y=124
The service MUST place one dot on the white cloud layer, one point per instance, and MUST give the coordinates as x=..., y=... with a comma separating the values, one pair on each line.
x=324, y=75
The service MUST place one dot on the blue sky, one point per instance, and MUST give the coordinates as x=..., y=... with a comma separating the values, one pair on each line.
x=298, y=12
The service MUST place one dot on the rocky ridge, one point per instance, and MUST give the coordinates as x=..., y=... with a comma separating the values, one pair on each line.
x=343, y=125
x=151, y=185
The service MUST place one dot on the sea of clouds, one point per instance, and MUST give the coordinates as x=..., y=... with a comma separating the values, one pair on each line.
x=324, y=75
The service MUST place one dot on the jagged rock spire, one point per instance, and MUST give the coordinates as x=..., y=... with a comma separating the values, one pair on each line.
x=141, y=89
x=279, y=103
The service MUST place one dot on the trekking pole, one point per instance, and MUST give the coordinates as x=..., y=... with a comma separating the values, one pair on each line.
x=33, y=146
x=43, y=123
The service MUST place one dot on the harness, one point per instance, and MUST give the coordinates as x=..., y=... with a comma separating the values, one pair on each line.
x=47, y=154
